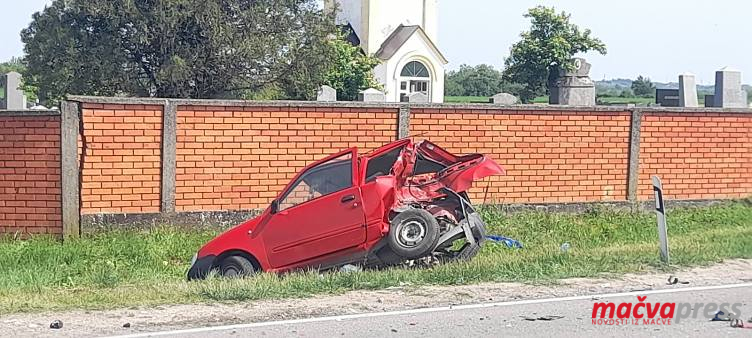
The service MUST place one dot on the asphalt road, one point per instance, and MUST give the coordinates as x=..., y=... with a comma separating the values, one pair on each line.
x=568, y=317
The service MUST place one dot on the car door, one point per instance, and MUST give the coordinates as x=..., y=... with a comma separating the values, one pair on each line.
x=319, y=213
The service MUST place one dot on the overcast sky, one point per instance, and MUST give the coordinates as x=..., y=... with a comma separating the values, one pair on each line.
x=655, y=38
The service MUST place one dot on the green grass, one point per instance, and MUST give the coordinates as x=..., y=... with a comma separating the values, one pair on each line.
x=130, y=268
x=466, y=99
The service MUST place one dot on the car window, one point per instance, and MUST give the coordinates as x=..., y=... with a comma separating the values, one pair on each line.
x=324, y=179
x=382, y=165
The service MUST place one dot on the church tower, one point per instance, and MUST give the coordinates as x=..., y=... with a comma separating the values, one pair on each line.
x=402, y=33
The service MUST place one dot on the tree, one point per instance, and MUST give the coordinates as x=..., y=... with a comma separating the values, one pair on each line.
x=550, y=44
x=480, y=80
x=179, y=48
x=351, y=70
x=643, y=87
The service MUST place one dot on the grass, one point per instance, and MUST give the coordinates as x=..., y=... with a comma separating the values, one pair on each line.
x=130, y=268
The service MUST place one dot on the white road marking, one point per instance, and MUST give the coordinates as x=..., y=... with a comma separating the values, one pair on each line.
x=431, y=310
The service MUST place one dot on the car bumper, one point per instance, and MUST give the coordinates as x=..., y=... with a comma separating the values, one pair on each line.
x=200, y=267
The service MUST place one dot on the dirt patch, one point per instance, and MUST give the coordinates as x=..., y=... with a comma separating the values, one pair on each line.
x=99, y=323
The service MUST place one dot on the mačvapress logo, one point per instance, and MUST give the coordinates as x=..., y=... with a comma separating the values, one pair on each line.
x=646, y=313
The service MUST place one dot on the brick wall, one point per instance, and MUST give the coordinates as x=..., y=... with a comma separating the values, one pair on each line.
x=121, y=166
x=236, y=155
x=30, y=174
x=551, y=157
x=697, y=156
x=235, y=158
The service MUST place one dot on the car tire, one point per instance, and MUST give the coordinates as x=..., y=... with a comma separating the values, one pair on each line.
x=413, y=234
x=236, y=267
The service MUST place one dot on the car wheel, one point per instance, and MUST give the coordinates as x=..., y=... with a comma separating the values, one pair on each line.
x=413, y=234
x=236, y=266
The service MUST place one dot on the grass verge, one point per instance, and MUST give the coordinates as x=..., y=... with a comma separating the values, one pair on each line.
x=131, y=268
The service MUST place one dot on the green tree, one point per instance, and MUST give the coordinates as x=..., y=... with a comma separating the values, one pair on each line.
x=550, y=44
x=480, y=80
x=643, y=87
x=351, y=70
x=179, y=48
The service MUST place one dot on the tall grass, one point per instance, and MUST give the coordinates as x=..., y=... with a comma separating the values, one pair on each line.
x=127, y=268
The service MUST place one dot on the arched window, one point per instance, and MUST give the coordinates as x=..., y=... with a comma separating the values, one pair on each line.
x=415, y=69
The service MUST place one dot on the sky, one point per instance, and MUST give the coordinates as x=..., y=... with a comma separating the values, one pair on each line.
x=655, y=38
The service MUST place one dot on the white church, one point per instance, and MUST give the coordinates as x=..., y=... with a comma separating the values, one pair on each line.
x=403, y=35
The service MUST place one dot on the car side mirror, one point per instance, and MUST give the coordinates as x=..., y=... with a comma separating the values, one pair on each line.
x=275, y=207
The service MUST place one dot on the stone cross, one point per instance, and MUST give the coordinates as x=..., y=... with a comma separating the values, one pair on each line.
x=687, y=91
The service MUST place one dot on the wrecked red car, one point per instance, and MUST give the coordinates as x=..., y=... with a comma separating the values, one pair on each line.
x=403, y=202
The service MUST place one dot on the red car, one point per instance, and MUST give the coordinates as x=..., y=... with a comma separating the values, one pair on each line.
x=404, y=201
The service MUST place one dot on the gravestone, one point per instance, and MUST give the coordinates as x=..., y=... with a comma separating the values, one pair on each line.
x=667, y=97
x=504, y=99
x=728, y=89
x=687, y=91
x=14, y=95
x=371, y=95
x=417, y=98
x=573, y=88
x=326, y=94
x=709, y=101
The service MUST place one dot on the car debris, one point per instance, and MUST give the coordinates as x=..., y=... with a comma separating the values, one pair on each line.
x=508, y=242
x=406, y=201
x=740, y=324
x=547, y=318
x=674, y=280
x=56, y=324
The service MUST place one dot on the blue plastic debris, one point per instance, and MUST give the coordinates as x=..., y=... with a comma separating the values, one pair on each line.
x=508, y=242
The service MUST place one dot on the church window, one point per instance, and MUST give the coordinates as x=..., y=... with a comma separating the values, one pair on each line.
x=415, y=69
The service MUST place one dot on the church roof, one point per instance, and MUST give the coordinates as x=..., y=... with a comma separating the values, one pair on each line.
x=399, y=37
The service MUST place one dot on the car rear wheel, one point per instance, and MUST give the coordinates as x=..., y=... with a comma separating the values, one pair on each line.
x=413, y=234
x=236, y=266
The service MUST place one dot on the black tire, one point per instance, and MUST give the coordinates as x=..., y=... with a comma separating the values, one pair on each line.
x=469, y=251
x=236, y=267
x=413, y=234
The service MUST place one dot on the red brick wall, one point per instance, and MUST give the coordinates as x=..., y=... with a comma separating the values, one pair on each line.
x=551, y=157
x=698, y=156
x=30, y=174
x=235, y=158
x=121, y=170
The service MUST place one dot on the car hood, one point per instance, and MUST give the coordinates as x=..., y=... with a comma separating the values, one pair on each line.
x=236, y=238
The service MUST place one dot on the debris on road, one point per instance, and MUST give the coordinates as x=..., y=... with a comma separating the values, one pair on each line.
x=56, y=324
x=673, y=281
x=542, y=318
x=721, y=316
x=127, y=325
x=740, y=324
